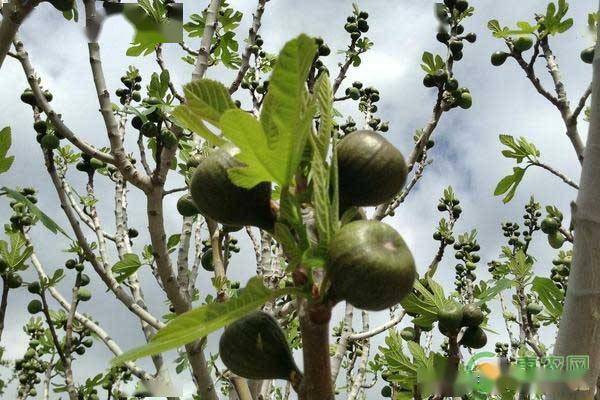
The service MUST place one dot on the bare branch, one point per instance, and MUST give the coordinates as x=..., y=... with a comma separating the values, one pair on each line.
x=553, y=171
x=253, y=31
x=359, y=377
x=210, y=26
x=340, y=351
x=381, y=328
x=161, y=63
x=13, y=14
x=581, y=103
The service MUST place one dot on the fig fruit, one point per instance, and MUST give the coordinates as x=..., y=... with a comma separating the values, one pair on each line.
x=28, y=97
x=474, y=338
x=450, y=317
x=370, y=266
x=217, y=197
x=523, y=43
x=499, y=57
x=3, y=265
x=40, y=126
x=186, y=206
x=461, y=5
x=465, y=100
x=34, y=306
x=556, y=240
x=34, y=287
x=63, y=5
x=408, y=333
x=371, y=170
x=255, y=347
x=534, y=308
x=587, y=55
x=14, y=281
x=207, y=260
x=83, y=294
x=549, y=225
x=50, y=142
x=472, y=315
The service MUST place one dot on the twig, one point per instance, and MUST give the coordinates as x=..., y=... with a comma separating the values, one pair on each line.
x=553, y=171
x=364, y=359
x=3, y=304
x=256, y=22
x=176, y=190
x=581, y=103
x=379, y=329
x=340, y=350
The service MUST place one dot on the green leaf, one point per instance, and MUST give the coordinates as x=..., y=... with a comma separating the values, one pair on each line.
x=33, y=209
x=550, y=295
x=491, y=292
x=201, y=321
x=324, y=100
x=205, y=100
x=126, y=267
x=5, y=143
x=320, y=195
x=509, y=184
x=287, y=111
x=262, y=163
x=17, y=252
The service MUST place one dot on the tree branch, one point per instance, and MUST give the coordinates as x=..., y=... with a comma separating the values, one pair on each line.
x=553, y=171
x=253, y=31
x=13, y=14
x=210, y=26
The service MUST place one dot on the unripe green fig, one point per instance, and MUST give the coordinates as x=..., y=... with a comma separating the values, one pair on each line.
x=474, y=338
x=3, y=265
x=168, y=139
x=40, y=126
x=28, y=97
x=84, y=280
x=255, y=347
x=370, y=266
x=217, y=197
x=34, y=287
x=137, y=122
x=471, y=37
x=549, y=225
x=472, y=315
x=408, y=333
x=354, y=93
x=83, y=294
x=371, y=170
x=465, y=101
x=499, y=57
x=186, y=206
x=97, y=164
x=429, y=81
x=34, y=306
x=587, y=55
x=207, y=260
x=450, y=317
x=556, y=240
x=50, y=142
x=461, y=5
x=534, y=308
x=149, y=129
x=386, y=391
x=63, y=5
x=455, y=46
x=523, y=43
x=14, y=281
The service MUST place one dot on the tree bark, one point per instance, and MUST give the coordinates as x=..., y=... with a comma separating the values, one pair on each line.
x=579, y=332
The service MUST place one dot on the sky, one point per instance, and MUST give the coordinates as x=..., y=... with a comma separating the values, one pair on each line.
x=466, y=156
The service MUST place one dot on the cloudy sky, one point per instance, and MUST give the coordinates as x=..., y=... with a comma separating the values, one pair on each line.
x=466, y=156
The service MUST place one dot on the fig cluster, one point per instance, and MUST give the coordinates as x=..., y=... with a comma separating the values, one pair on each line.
x=28, y=97
x=357, y=24
x=21, y=216
x=561, y=268
x=463, y=321
x=131, y=87
x=206, y=259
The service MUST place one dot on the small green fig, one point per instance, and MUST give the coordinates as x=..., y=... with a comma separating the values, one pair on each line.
x=186, y=206
x=499, y=57
x=587, y=55
x=474, y=338
x=472, y=315
x=34, y=306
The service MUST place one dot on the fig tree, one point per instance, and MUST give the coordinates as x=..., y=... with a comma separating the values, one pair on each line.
x=587, y=55
x=217, y=197
x=370, y=266
x=34, y=306
x=255, y=347
x=371, y=170
x=186, y=206
x=474, y=338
